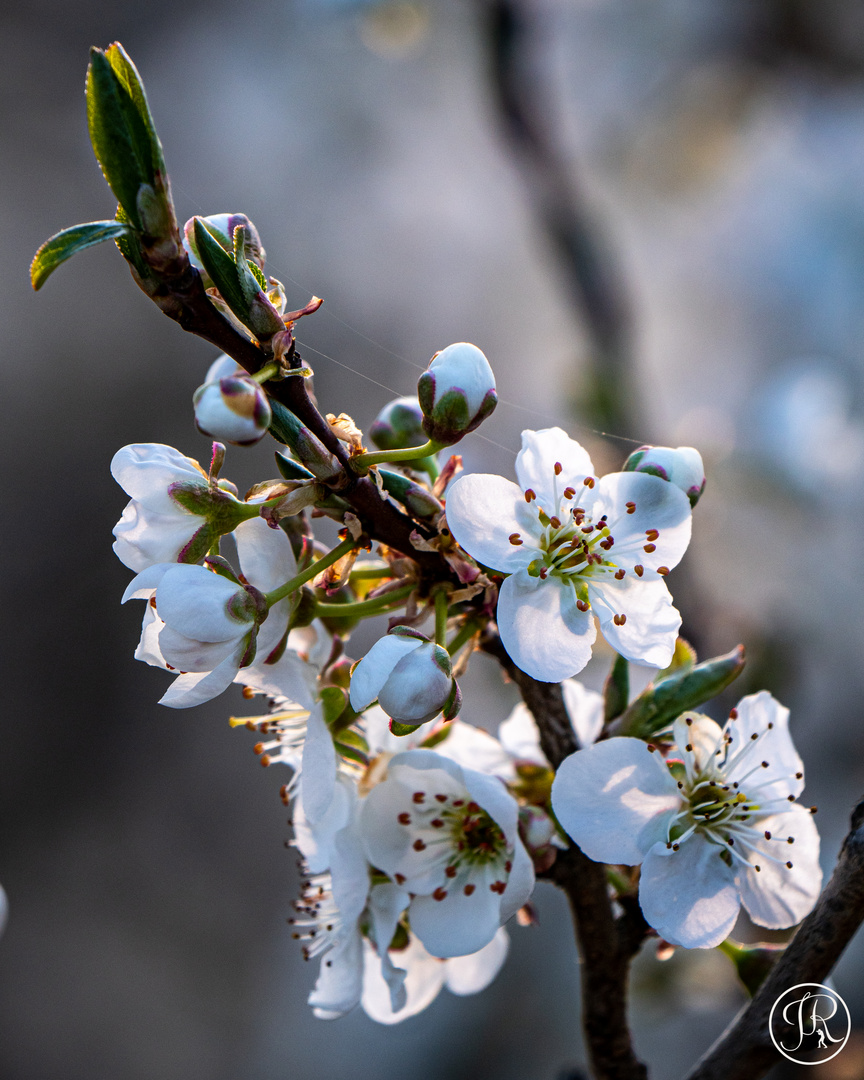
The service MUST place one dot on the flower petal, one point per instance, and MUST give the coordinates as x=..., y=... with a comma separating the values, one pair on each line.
x=535, y=465
x=541, y=627
x=585, y=709
x=386, y=904
x=265, y=554
x=660, y=506
x=520, y=883
x=458, y=924
x=188, y=654
x=762, y=715
x=195, y=688
x=779, y=896
x=318, y=774
x=422, y=984
x=340, y=980
x=144, y=537
x=651, y=629
x=194, y=602
x=145, y=471
x=689, y=896
x=615, y=799
x=375, y=667
x=472, y=973
x=483, y=512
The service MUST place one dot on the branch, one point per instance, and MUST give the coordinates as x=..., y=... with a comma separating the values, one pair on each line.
x=606, y=945
x=745, y=1051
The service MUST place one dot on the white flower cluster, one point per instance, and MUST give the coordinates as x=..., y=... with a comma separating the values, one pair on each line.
x=420, y=834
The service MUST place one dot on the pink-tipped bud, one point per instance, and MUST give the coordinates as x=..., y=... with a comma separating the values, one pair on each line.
x=456, y=392
x=233, y=409
x=682, y=467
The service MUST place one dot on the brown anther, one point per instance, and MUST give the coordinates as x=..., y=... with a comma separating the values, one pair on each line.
x=439, y=893
x=458, y=802
x=767, y=835
x=544, y=573
x=587, y=529
x=515, y=539
x=676, y=847
x=648, y=548
x=558, y=468
x=569, y=492
x=790, y=839
x=451, y=871
x=258, y=748
x=530, y=495
x=498, y=887
x=619, y=620
x=582, y=605
x=404, y=818
x=619, y=574
x=730, y=841
x=437, y=823
x=399, y=879
x=555, y=522
x=248, y=693
x=639, y=570
x=754, y=737
x=688, y=721
x=689, y=748
x=788, y=865
x=508, y=866
x=631, y=507
x=419, y=845
x=813, y=809
x=441, y=798
x=652, y=534
x=469, y=889
x=418, y=797
x=733, y=714
x=652, y=747
x=265, y=760
x=799, y=775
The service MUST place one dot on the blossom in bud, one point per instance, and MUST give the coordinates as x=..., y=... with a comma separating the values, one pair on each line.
x=575, y=547
x=427, y=975
x=175, y=514
x=233, y=409
x=206, y=625
x=714, y=825
x=225, y=224
x=682, y=467
x=456, y=392
x=411, y=677
x=449, y=836
x=398, y=425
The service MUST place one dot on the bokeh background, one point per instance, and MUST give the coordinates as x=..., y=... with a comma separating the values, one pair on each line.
x=651, y=218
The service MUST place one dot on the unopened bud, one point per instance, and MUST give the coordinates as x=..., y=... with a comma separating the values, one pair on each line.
x=234, y=409
x=456, y=392
x=416, y=498
x=224, y=225
x=681, y=466
x=398, y=425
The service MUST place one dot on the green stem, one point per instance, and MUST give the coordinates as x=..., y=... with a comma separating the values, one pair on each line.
x=379, y=457
x=371, y=572
x=440, y=617
x=306, y=575
x=266, y=373
x=364, y=607
x=464, y=635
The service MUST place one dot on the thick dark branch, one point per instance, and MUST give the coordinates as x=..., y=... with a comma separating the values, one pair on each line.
x=606, y=945
x=745, y=1051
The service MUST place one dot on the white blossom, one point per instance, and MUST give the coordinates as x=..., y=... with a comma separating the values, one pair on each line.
x=681, y=466
x=456, y=392
x=714, y=830
x=575, y=547
x=448, y=835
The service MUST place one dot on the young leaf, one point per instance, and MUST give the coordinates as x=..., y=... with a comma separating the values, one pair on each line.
x=128, y=76
x=221, y=268
x=69, y=242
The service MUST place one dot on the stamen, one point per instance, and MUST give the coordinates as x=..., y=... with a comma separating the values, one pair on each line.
x=558, y=468
x=631, y=507
x=652, y=534
x=530, y=495
x=569, y=492
x=619, y=620
x=619, y=574
x=648, y=548
x=582, y=605
x=663, y=570
x=639, y=570
x=515, y=539
x=589, y=481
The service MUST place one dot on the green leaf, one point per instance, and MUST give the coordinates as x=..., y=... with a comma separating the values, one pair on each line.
x=120, y=138
x=660, y=703
x=401, y=730
x=69, y=242
x=221, y=268
x=129, y=78
x=616, y=691
x=291, y=469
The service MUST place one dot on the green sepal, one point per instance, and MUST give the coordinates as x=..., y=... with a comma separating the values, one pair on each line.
x=221, y=268
x=616, y=690
x=661, y=702
x=291, y=469
x=400, y=729
x=69, y=242
x=121, y=128
x=753, y=964
x=287, y=429
x=449, y=420
x=350, y=752
x=222, y=567
x=130, y=247
x=333, y=702
x=349, y=737
x=437, y=737
x=417, y=499
x=305, y=611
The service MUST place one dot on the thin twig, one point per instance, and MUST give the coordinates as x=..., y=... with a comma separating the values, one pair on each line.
x=745, y=1050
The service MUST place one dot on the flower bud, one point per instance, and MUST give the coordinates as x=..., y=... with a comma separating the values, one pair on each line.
x=225, y=224
x=682, y=467
x=398, y=425
x=234, y=409
x=456, y=392
x=411, y=676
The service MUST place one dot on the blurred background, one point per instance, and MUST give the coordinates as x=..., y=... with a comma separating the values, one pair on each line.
x=650, y=216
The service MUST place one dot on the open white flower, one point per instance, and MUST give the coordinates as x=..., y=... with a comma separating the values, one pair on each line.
x=207, y=626
x=449, y=836
x=716, y=830
x=427, y=975
x=575, y=547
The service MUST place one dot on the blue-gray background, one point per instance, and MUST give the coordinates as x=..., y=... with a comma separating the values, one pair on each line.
x=717, y=146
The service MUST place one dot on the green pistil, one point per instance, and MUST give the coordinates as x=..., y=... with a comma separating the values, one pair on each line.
x=476, y=836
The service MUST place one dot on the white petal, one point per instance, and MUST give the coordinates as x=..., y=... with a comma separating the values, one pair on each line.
x=340, y=981
x=520, y=883
x=422, y=985
x=188, y=654
x=519, y=736
x=689, y=896
x=319, y=766
x=194, y=602
x=145, y=471
x=615, y=799
x=702, y=735
x=386, y=904
x=476, y=749
x=193, y=689
x=483, y=511
x=265, y=554
x=492, y=796
x=315, y=841
x=349, y=872
x=651, y=630
x=785, y=773
x=659, y=505
x=145, y=537
x=471, y=974
x=541, y=627
x=416, y=688
x=289, y=677
x=777, y=896
x=144, y=584
x=585, y=709
x=381, y=740
x=458, y=924
x=375, y=667
x=148, y=649
x=223, y=366
x=535, y=465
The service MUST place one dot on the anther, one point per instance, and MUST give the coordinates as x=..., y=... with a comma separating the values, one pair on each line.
x=676, y=847
x=619, y=620
x=469, y=889
x=439, y=893
x=419, y=845
x=619, y=574
x=418, y=797
x=652, y=534
x=757, y=868
x=399, y=879
x=799, y=775
x=530, y=495
x=767, y=835
x=404, y=818
x=544, y=573
x=652, y=747
x=451, y=871
x=555, y=522
x=689, y=748
x=631, y=507
x=788, y=865
x=437, y=823
x=648, y=548
x=754, y=737
x=581, y=604
x=764, y=764
x=569, y=492
x=515, y=539
x=589, y=481
x=813, y=809
x=790, y=839
x=558, y=468
x=639, y=570
x=441, y=798
x=663, y=570
x=733, y=714
x=689, y=721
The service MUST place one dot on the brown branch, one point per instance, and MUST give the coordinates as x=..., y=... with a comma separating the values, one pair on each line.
x=606, y=944
x=745, y=1050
